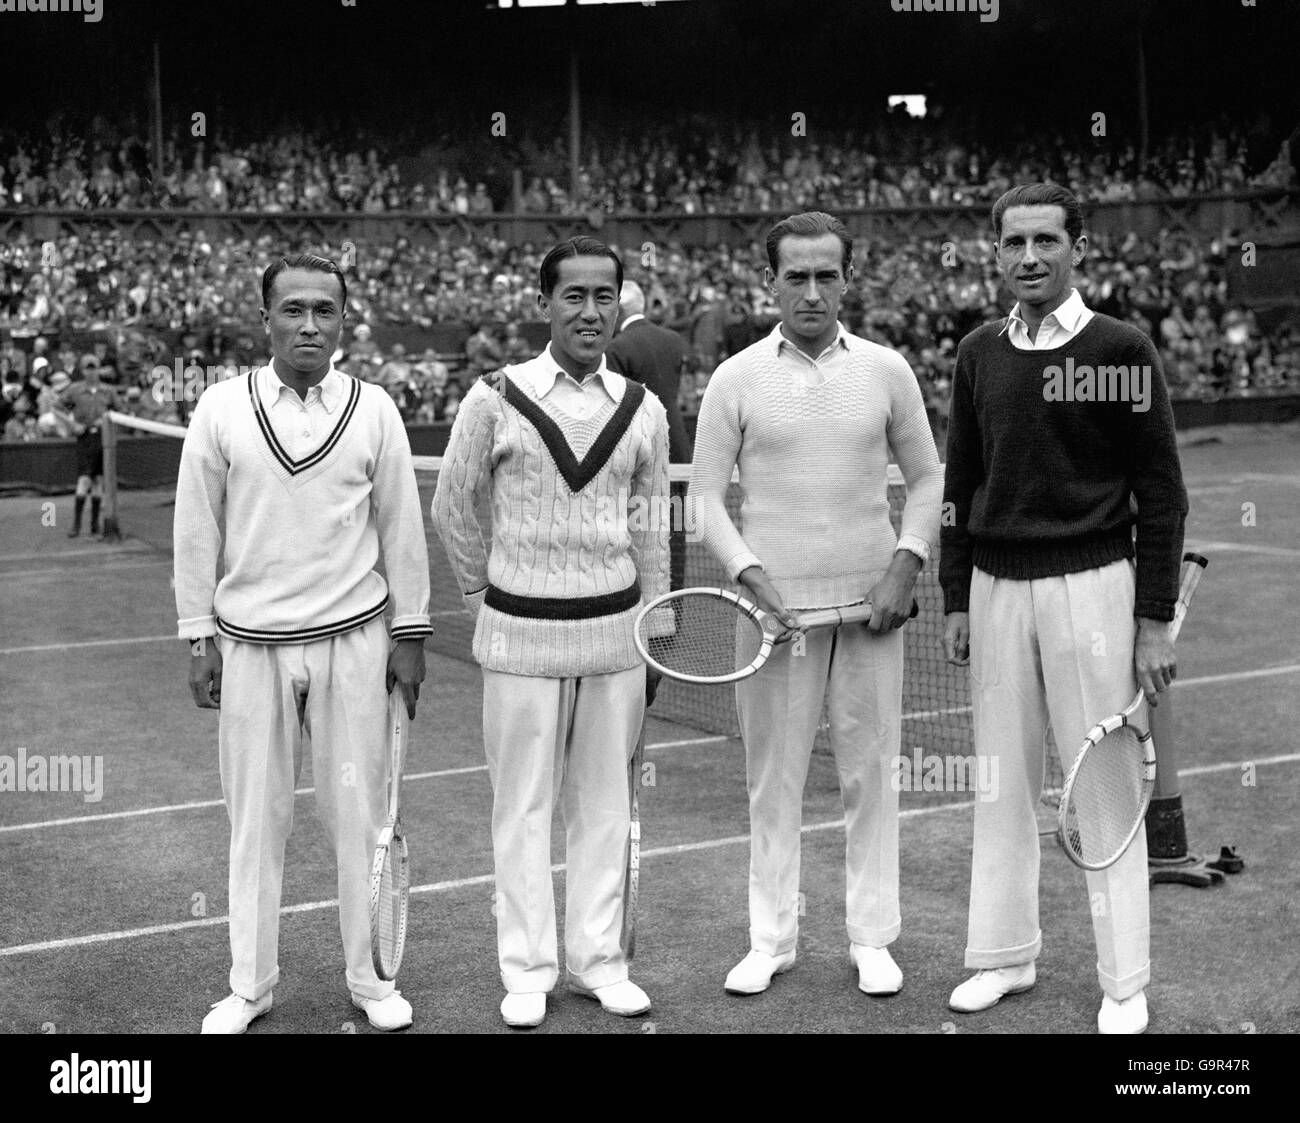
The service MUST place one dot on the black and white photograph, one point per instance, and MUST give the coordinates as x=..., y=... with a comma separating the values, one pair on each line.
x=664, y=517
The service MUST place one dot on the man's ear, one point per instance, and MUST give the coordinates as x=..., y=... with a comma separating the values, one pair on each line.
x=769, y=278
x=1079, y=249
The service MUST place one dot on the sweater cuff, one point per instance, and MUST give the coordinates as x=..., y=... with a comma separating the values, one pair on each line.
x=914, y=545
x=414, y=626
x=194, y=627
x=738, y=563
x=956, y=598
x=1161, y=610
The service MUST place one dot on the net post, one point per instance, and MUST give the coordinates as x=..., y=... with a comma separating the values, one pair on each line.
x=112, y=532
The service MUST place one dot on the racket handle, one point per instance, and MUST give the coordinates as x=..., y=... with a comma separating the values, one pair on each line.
x=832, y=617
x=1193, y=567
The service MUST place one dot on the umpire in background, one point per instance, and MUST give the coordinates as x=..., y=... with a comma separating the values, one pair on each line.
x=1041, y=590
x=88, y=401
x=655, y=357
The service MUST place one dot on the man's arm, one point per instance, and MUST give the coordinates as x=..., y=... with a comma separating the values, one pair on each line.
x=1157, y=483
x=396, y=502
x=196, y=533
x=717, y=448
x=460, y=510
x=648, y=514
x=963, y=473
x=912, y=444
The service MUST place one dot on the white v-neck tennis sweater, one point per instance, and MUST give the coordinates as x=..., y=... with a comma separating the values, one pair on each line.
x=814, y=466
x=297, y=540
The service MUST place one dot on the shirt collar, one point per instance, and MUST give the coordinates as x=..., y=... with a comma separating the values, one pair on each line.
x=776, y=340
x=1067, y=316
x=329, y=389
x=545, y=372
x=632, y=319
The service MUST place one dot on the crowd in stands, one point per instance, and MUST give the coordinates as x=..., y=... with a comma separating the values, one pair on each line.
x=138, y=305
x=131, y=303
x=686, y=167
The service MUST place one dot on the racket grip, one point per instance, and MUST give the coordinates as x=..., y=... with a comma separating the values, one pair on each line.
x=1193, y=567
x=851, y=614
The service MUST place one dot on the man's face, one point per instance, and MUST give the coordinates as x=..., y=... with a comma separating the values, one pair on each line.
x=305, y=319
x=809, y=283
x=582, y=310
x=1036, y=257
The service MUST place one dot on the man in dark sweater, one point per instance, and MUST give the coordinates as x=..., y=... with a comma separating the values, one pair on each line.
x=1059, y=419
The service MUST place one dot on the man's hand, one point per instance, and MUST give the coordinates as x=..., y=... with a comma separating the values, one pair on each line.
x=406, y=670
x=891, y=597
x=764, y=594
x=956, y=638
x=652, y=680
x=1153, y=658
x=205, y=674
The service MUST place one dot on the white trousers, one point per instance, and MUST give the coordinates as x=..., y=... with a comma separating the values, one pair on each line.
x=1059, y=649
x=331, y=693
x=860, y=677
x=575, y=736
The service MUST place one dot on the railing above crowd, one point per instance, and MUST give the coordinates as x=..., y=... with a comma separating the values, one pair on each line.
x=1258, y=212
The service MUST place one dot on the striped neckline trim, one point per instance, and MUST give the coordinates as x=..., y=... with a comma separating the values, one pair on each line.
x=281, y=454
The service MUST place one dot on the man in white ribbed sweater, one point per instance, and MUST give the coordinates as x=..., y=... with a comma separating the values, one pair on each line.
x=548, y=505
x=811, y=415
x=303, y=475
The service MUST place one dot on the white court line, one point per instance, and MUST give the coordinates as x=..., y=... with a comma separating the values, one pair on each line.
x=487, y=879
x=1205, y=680
x=432, y=887
x=61, y=572
x=59, y=555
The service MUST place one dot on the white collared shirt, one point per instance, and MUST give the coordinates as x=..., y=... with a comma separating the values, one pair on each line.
x=300, y=424
x=805, y=370
x=576, y=398
x=1057, y=329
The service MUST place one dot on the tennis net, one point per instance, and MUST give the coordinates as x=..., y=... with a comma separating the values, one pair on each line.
x=142, y=459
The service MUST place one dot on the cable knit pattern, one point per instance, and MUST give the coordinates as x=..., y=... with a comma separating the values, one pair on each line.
x=814, y=471
x=507, y=518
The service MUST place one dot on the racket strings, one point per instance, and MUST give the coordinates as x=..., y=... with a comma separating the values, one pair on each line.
x=710, y=638
x=388, y=914
x=1106, y=798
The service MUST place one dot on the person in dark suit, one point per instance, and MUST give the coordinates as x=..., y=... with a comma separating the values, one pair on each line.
x=653, y=356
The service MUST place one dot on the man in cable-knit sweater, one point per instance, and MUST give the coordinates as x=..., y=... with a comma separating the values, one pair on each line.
x=811, y=415
x=1060, y=418
x=549, y=505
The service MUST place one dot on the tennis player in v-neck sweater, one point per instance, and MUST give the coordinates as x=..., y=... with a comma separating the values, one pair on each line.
x=547, y=465
x=293, y=480
x=811, y=415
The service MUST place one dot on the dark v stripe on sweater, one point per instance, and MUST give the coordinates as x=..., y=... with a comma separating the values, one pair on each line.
x=577, y=474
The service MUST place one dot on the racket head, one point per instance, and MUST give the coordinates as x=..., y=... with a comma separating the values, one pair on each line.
x=1105, y=796
x=390, y=872
x=632, y=878
x=709, y=636
x=390, y=883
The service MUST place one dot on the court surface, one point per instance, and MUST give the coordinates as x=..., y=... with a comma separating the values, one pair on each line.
x=112, y=911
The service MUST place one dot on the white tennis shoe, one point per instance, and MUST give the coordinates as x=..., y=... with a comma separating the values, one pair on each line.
x=753, y=974
x=523, y=1011
x=877, y=972
x=625, y=998
x=988, y=987
x=1126, y=1016
x=390, y=1012
x=233, y=1014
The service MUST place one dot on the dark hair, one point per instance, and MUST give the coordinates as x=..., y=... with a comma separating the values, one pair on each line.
x=1041, y=195
x=581, y=246
x=301, y=261
x=810, y=224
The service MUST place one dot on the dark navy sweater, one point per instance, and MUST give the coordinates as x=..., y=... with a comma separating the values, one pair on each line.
x=1047, y=450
